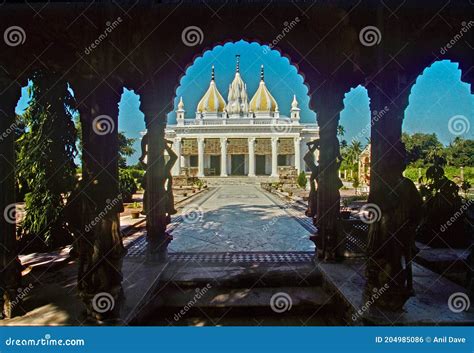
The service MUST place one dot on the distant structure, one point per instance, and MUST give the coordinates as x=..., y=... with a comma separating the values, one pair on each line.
x=364, y=166
x=239, y=137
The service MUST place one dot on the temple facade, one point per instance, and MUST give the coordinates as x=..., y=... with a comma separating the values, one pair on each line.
x=239, y=137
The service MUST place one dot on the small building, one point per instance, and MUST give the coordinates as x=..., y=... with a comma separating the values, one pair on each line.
x=239, y=137
x=364, y=166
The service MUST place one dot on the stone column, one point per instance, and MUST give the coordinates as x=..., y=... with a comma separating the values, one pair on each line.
x=200, y=142
x=298, y=154
x=251, y=142
x=329, y=103
x=100, y=243
x=155, y=102
x=10, y=275
x=274, y=157
x=177, y=149
x=223, y=156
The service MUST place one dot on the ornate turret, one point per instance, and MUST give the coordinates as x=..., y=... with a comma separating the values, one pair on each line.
x=180, y=112
x=295, y=111
x=237, y=100
x=263, y=102
x=212, y=101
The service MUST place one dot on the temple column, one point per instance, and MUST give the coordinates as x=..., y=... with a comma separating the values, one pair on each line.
x=100, y=243
x=154, y=104
x=224, y=157
x=10, y=269
x=177, y=149
x=274, y=157
x=200, y=142
x=298, y=154
x=251, y=142
x=329, y=103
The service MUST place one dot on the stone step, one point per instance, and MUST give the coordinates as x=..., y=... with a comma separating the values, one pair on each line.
x=235, y=276
x=243, y=180
x=284, y=298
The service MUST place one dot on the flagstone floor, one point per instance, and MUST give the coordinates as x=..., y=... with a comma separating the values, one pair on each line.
x=239, y=218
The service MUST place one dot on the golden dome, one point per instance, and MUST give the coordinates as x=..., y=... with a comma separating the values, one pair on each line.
x=263, y=100
x=212, y=101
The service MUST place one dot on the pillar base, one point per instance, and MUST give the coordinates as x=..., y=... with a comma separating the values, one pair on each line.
x=251, y=175
x=224, y=175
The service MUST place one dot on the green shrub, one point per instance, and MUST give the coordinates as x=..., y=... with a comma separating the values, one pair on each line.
x=128, y=185
x=301, y=181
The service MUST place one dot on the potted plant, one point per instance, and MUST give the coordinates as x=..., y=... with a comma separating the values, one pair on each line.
x=135, y=210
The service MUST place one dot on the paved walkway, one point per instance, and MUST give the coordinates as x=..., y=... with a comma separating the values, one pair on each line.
x=238, y=218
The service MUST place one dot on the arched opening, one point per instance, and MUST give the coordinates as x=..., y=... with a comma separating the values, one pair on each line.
x=241, y=119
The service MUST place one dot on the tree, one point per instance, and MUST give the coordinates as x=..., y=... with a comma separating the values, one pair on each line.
x=460, y=152
x=423, y=149
x=125, y=148
x=46, y=157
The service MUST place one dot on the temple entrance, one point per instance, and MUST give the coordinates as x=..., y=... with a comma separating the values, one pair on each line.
x=260, y=165
x=215, y=165
x=237, y=164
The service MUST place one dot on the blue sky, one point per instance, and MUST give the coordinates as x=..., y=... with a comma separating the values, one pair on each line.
x=438, y=94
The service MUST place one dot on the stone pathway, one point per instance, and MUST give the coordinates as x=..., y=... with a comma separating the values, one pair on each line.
x=238, y=218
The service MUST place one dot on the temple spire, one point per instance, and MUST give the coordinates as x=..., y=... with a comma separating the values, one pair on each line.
x=237, y=64
x=212, y=73
x=262, y=76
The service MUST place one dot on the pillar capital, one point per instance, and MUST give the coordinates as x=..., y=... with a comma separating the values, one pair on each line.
x=252, y=140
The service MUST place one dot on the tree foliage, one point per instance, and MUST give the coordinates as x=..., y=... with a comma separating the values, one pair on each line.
x=46, y=152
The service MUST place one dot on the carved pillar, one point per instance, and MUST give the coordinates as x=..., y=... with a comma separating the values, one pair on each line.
x=223, y=157
x=154, y=104
x=10, y=275
x=200, y=142
x=251, y=142
x=298, y=154
x=329, y=103
x=177, y=149
x=274, y=157
x=396, y=199
x=100, y=243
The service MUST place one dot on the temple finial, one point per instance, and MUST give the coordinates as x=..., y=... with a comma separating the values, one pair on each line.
x=262, y=76
x=212, y=73
x=237, y=65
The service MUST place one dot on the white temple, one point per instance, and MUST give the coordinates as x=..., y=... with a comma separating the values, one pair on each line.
x=239, y=137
